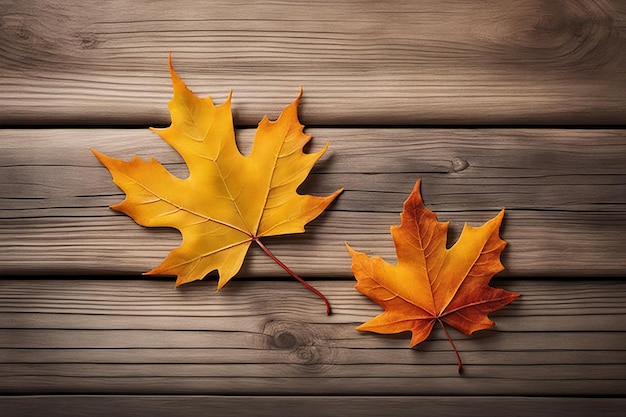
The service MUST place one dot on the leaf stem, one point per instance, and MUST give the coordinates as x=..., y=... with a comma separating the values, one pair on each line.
x=456, y=352
x=293, y=274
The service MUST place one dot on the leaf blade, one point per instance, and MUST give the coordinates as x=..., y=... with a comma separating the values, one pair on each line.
x=228, y=199
x=453, y=283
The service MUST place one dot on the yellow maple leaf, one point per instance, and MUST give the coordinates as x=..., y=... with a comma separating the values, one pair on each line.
x=430, y=283
x=229, y=200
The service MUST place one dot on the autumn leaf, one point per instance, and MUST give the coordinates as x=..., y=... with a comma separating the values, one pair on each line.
x=229, y=200
x=430, y=283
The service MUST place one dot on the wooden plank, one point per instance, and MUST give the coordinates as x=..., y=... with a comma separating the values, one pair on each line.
x=394, y=62
x=314, y=406
x=564, y=192
x=145, y=337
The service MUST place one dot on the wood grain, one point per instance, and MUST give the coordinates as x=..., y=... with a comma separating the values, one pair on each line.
x=82, y=334
x=304, y=406
x=564, y=191
x=369, y=63
x=271, y=337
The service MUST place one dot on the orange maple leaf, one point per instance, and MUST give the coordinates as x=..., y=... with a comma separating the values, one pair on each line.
x=229, y=200
x=431, y=283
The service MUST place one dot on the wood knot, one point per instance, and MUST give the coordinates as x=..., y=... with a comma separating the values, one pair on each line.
x=284, y=340
x=307, y=355
x=289, y=335
x=17, y=30
x=459, y=164
x=87, y=40
x=23, y=33
x=301, y=344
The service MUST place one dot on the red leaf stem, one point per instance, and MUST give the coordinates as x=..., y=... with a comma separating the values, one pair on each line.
x=293, y=274
x=456, y=352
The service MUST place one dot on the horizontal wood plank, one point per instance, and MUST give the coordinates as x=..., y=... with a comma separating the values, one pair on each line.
x=298, y=406
x=395, y=62
x=564, y=192
x=273, y=338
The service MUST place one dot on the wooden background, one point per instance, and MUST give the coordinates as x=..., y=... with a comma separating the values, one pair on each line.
x=517, y=104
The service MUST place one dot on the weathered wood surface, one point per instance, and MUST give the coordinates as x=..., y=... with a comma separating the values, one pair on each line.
x=391, y=62
x=564, y=192
x=92, y=336
x=94, y=345
x=290, y=406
